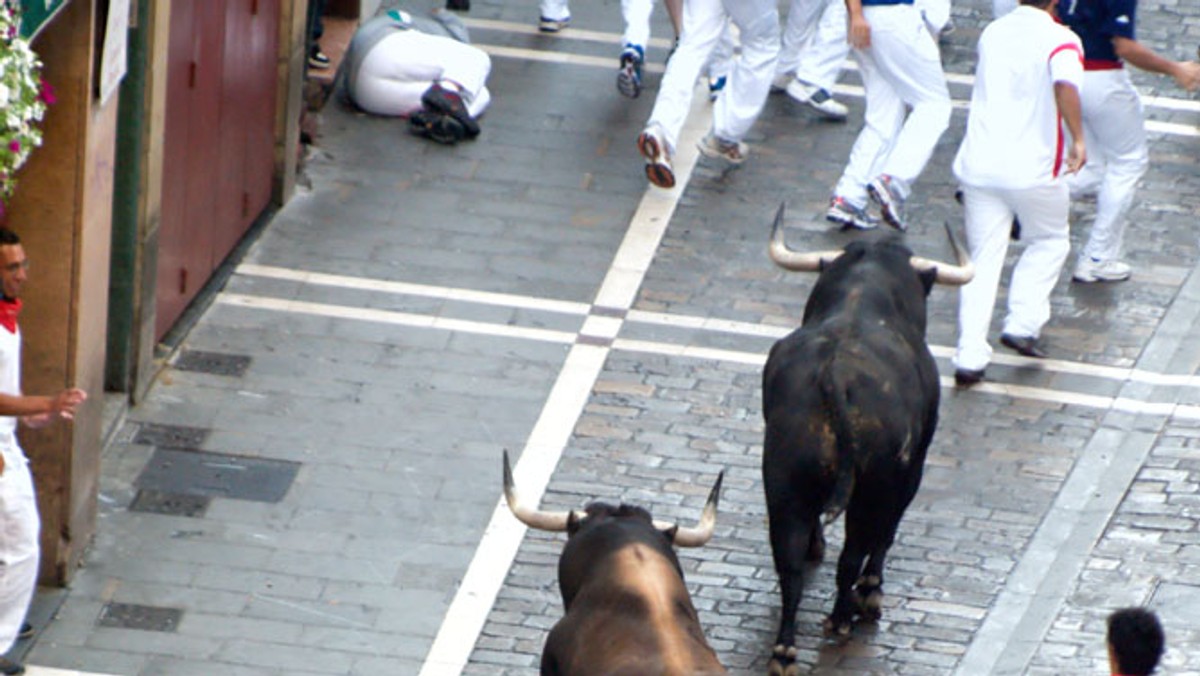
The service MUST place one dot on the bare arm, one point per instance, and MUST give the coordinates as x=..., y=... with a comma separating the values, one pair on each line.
x=1186, y=73
x=1066, y=97
x=37, y=410
x=858, y=31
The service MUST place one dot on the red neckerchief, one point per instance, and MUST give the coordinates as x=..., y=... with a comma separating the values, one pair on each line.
x=9, y=309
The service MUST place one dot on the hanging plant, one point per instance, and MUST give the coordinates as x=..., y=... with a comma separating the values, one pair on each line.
x=23, y=98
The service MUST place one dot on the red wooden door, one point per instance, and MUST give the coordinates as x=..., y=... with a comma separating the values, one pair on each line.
x=219, y=149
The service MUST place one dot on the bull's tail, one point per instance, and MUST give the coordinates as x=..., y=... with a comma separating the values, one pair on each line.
x=833, y=392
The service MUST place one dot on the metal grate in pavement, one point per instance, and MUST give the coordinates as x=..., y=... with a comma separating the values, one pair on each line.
x=172, y=504
x=133, y=616
x=191, y=472
x=170, y=436
x=214, y=363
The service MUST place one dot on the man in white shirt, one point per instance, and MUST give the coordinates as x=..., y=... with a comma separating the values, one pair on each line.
x=1024, y=51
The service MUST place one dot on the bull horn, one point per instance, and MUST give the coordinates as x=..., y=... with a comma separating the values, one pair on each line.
x=794, y=260
x=702, y=533
x=555, y=522
x=954, y=275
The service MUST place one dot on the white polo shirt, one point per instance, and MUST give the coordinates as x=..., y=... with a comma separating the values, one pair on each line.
x=1015, y=138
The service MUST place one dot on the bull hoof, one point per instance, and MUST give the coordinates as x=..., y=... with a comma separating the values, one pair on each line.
x=869, y=597
x=783, y=661
x=871, y=607
x=837, y=630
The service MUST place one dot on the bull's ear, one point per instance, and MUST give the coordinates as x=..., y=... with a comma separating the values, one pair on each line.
x=928, y=278
x=573, y=521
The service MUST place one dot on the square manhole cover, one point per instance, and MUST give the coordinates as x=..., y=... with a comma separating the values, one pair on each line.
x=214, y=363
x=186, y=472
x=133, y=616
x=173, y=504
x=170, y=436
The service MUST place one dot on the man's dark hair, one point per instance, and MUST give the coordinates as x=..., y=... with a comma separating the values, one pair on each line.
x=1136, y=640
x=8, y=236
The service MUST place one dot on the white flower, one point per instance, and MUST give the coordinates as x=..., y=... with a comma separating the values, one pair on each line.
x=21, y=104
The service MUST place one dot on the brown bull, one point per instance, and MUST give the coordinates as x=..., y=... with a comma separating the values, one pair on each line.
x=627, y=609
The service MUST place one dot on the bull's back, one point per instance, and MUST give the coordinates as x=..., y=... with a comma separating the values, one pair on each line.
x=840, y=392
x=634, y=618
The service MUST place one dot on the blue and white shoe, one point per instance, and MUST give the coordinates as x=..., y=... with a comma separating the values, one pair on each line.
x=629, y=77
x=716, y=85
x=553, y=25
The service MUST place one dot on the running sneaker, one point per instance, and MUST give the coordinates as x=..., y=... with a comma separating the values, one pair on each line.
x=847, y=215
x=447, y=100
x=883, y=190
x=716, y=85
x=629, y=77
x=818, y=98
x=553, y=25
x=1090, y=270
x=733, y=152
x=652, y=144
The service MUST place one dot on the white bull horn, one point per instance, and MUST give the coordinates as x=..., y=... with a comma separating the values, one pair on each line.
x=954, y=275
x=702, y=533
x=794, y=260
x=534, y=518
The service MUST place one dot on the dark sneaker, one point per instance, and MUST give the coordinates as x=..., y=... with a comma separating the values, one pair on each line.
x=447, y=101
x=629, y=77
x=318, y=60
x=967, y=377
x=652, y=144
x=436, y=126
x=553, y=25
x=885, y=194
x=1026, y=346
x=10, y=668
x=847, y=215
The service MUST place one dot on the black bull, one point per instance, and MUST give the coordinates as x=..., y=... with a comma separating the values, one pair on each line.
x=627, y=610
x=850, y=401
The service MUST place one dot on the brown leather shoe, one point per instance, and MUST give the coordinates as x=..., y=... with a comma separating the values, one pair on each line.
x=1024, y=345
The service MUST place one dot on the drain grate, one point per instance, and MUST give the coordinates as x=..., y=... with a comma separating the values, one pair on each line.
x=170, y=436
x=214, y=363
x=133, y=616
x=189, y=472
x=173, y=504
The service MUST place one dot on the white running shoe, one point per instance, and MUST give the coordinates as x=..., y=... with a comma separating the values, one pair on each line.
x=818, y=98
x=733, y=152
x=1090, y=270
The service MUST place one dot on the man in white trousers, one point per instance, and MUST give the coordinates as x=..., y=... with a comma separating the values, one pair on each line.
x=19, y=547
x=1114, y=124
x=812, y=56
x=1025, y=51
x=419, y=66
x=742, y=99
x=907, y=109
